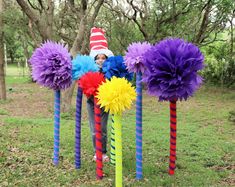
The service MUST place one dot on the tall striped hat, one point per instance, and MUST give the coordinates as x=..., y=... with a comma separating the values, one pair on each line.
x=98, y=43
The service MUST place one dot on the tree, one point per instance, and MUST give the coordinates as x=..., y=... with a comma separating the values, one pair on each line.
x=16, y=33
x=231, y=20
x=87, y=19
x=2, y=73
x=194, y=21
x=41, y=15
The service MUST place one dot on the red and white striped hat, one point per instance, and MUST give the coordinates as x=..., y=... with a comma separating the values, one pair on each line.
x=98, y=43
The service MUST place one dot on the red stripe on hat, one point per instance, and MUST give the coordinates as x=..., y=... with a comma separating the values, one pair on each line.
x=94, y=29
x=98, y=39
x=100, y=45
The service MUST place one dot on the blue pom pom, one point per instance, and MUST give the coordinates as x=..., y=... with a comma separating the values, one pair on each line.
x=114, y=66
x=82, y=64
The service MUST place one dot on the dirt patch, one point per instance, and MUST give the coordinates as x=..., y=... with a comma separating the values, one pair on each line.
x=229, y=181
x=30, y=100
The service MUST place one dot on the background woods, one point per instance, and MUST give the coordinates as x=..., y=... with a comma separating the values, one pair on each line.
x=207, y=23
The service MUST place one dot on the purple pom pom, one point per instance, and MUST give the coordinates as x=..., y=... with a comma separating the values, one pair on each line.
x=172, y=67
x=134, y=56
x=51, y=66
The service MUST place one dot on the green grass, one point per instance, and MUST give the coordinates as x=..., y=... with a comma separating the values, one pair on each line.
x=3, y=112
x=16, y=75
x=205, y=146
x=14, y=70
x=16, y=80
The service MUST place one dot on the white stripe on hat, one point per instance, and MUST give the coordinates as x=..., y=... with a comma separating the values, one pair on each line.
x=97, y=34
x=96, y=41
x=99, y=47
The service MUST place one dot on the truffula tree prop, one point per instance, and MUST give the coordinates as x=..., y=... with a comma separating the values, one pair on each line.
x=172, y=75
x=80, y=66
x=89, y=84
x=134, y=61
x=115, y=96
x=52, y=68
x=114, y=66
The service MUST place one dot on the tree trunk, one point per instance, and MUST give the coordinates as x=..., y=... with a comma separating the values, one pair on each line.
x=68, y=93
x=78, y=45
x=204, y=23
x=231, y=35
x=50, y=16
x=2, y=73
x=67, y=98
x=27, y=56
x=11, y=57
x=173, y=25
x=44, y=24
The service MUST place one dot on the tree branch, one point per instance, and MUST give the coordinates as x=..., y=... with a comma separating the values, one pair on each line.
x=37, y=20
x=34, y=7
x=211, y=41
x=32, y=33
x=95, y=14
x=204, y=23
x=25, y=7
x=41, y=4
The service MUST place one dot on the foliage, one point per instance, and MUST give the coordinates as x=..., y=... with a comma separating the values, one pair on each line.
x=231, y=116
x=19, y=45
x=124, y=24
x=220, y=65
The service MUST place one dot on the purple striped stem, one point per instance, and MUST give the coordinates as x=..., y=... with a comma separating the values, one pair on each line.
x=78, y=129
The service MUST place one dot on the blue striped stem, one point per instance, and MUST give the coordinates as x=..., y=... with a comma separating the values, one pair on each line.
x=56, y=127
x=139, y=159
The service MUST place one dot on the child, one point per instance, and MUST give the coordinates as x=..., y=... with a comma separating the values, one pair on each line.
x=100, y=52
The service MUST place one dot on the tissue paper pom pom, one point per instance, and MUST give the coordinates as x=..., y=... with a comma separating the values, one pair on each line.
x=172, y=67
x=114, y=66
x=90, y=83
x=81, y=65
x=51, y=66
x=116, y=95
x=134, y=56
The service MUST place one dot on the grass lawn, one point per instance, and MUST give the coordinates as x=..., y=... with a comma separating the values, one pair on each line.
x=205, y=141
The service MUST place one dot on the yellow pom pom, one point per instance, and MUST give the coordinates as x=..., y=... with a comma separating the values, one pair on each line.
x=116, y=95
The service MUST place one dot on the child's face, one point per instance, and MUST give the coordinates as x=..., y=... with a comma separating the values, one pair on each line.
x=100, y=59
